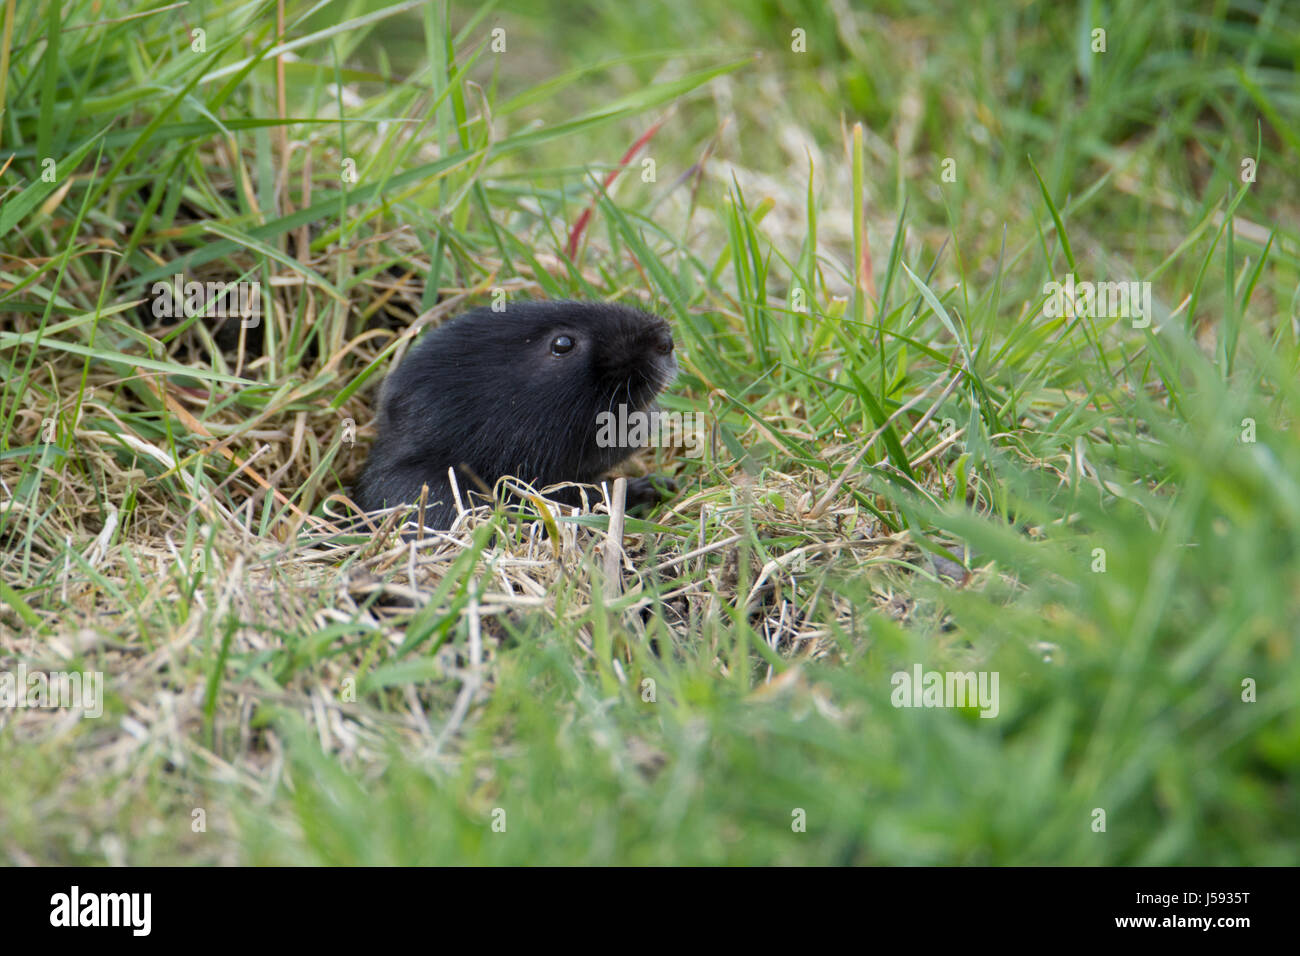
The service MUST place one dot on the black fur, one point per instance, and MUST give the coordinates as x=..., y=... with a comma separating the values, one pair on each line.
x=486, y=393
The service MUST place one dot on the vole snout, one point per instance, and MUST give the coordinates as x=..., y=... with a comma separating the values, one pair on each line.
x=663, y=342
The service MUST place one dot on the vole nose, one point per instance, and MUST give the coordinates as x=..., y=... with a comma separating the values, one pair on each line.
x=663, y=343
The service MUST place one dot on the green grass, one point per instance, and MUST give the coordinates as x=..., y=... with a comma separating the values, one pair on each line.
x=866, y=336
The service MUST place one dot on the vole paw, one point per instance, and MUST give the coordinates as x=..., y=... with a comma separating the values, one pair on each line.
x=650, y=490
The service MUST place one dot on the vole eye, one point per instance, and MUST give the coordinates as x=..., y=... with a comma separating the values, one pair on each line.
x=561, y=344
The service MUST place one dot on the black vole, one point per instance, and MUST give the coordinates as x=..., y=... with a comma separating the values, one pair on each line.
x=516, y=393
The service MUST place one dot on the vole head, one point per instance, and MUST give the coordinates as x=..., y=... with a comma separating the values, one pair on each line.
x=607, y=354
